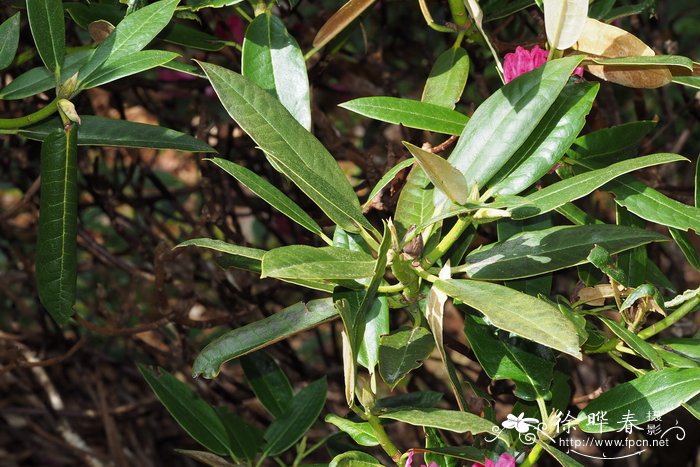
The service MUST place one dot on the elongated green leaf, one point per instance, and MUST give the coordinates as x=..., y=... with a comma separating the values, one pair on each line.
x=306, y=262
x=645, y=398
x=560, y=457
x=447, y=79
x=441, y=173
x=103, y=131
x=376, y=325
x=269, y=193
x=402, y=351
x=244, y=439
x=466, y=453
x=41, y=79
x=127, y=66
x=549, y=141
x=516, y=312
x=501, y=360
x=236, y=256
x=533, y=253
x=450, y=420
x=635, y=342
x=196, y=5
x=56, y=258
x=273, y=60
x=564, y=21
x=415, y=205
x=9, y=40
x=290, y=148
x=303, y=411
x=131, y=35
x=690, y=81
x=259, y=334
x=410, y=113
x=49, y=32
x=600, y=148
x=649, y=204
x=688, y=347
x=360, y=432
x=387, y=178
x=645, y=61
x=354, y=459
x=193, y=414
x=576, y=187
x=507, y=117
x=268, y=381
x=185, y=68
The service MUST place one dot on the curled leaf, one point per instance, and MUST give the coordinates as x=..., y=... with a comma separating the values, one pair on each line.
x=564, y=21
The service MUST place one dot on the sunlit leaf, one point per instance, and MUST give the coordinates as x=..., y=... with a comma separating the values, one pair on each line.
x=564, y=21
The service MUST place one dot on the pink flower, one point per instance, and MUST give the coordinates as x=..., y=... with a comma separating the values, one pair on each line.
x=409, y=461
x=506, y=460
x=522, y=60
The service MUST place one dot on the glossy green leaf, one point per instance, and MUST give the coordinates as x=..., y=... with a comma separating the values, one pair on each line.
x=306, y=262
x=196, y=5
x=497, y=9
x=131, y=35
x=416, y=399
x=645, y=61
x=465, y=453
x=56, y=257
x=415, y=205
x=104, y=131
x=9, y=40
x=259, y=334
x=387, y=178
x=560, y=457
x=447, y=79
x=516, y=312
x=687, y=248
x=273, y=60
x=410, y=113
x=126, y=66
x=441, y=173
x=609, y=145
x=578, y=186
x=688, y=347
x=502, y=360
x=40, y=79
x=402, y=351
x=635, y=342
x=244, y=439
x=49, y=31
x=235, y=256
x=290, y=148
x=603, y=260
x=533, y=253
x=303, y=411
x=450, y=420
x=508, y=117
x=193, y=414
x=270, y=194
x=354, y=459
x=360, y=432
x=376, y=325
x=549, y=141
x=690, y=81
x=185, y=68
x=651, y=395
x=268, y=381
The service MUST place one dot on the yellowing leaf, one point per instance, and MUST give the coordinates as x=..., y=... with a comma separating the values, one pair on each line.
x=605, y=40
x=564, y=21
x=340, y=20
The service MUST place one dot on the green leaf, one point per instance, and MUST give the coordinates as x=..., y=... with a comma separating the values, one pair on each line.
x=273, y=60
x=635, y=342
x=131, y=35
x=56, y=257
x=127, y=66
x=603, y=260
x=643, y=399
x=303, y=411
x=549, y=141
x=206, y=458
x=40, y=79
x=387, y=178
x=290, y=148
x=376, y=325
x=685, y=346
x=185, y=68
x=193, y=414
x=49, y=32
x=236, y=256
x=450, y=420
x=516, y=312
x=447, y=79
x=196, y=5
x=445, y=177
x=244, y=440
x=268, y=381
x=533, y=253
x=354, y=459
x=402, y=351
x=417, y=399
x=578, y=186
x=466, y=453
x=502, y=360
x=104, y=131
x=609, y=145
x=642, y=62
x=258, y=334
x=306, y=262
x=560, y=457
x=9, y=40
x=410, y=113
x=509, y=116
x=270, y=194
x=690, y=81
x=683, y=241
x=362, y=433
x=415, y=205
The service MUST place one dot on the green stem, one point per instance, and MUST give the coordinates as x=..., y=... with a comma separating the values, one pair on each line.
x=447, y=241
x=429, y=18
x=543, y=408
x=459, y=13
x=39, y=115
x=671, y=319
x=625, y=365
x=532, y=457
x=391, y=288
x=383, y=438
